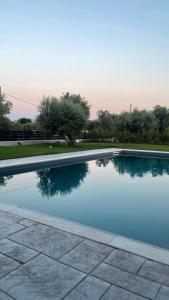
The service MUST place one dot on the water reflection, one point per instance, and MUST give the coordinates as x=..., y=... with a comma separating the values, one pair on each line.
x=137, y=166
x=103, y=162
x=61, y=180
x=4, y=180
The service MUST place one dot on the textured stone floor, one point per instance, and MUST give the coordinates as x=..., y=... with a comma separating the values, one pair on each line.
x=39, y=262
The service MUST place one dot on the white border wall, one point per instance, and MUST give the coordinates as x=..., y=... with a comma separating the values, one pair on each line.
x=30, y=142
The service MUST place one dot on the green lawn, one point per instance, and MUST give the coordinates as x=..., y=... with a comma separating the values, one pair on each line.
x=7, y=152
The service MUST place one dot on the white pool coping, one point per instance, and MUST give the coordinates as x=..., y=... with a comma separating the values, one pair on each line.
x=139, y=248
x=26, y=163
x=52, y=159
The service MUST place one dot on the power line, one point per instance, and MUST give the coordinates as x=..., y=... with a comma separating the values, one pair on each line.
x=21, y=100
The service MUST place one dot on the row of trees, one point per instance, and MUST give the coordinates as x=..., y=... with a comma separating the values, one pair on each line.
x=150, y=126
x=70, y=116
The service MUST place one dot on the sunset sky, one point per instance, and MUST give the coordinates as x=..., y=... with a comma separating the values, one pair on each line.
x=113, y=52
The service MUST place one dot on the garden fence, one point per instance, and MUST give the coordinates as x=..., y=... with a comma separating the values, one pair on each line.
x=28, y=135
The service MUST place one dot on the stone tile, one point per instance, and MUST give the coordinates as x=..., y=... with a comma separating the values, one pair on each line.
x=90, y=288
x=41, y=278
x=116, y=293
x=4, y=296
x=16, y=251
x=4, y=232
x=163, y=293
x=7, y=265
x=7, y=219
x=59, y=223
x=125, y=261
x=48, y=240
x=130, y=282
x=155, y=271
x=26, y=222
x=82, y=230
x=86, y=256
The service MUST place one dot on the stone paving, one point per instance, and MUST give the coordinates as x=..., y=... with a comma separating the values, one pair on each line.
x=41, y=262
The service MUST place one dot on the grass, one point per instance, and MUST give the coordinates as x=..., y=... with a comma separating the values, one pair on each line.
x=7, y=152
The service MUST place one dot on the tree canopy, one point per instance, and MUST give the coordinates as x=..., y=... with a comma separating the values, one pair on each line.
x=5, y=108
x=24, y=121
x=150, y=126
x=77, y=99
x=67, y=115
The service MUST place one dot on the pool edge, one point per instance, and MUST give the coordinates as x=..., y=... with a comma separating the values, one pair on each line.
x=28, y=163
x=137, y=247
x=145, y=250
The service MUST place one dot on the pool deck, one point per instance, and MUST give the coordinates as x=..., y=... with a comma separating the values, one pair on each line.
x=43, y=257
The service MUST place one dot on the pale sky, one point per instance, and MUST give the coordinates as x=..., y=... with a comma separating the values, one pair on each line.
x=112, y=52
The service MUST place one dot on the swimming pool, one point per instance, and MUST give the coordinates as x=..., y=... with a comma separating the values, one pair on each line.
x=126, y=195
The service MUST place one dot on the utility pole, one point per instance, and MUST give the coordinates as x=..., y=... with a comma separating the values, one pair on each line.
x=130, y=108
x=0, y=92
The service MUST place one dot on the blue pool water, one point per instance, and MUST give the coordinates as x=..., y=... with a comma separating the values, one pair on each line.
x=124, y=195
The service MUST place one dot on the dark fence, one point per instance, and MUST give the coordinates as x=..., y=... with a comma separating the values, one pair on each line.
x=28, y=135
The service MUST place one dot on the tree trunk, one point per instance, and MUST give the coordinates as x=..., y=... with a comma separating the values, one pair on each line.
x=70, y=140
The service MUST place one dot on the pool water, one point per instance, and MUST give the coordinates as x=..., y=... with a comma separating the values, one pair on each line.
x=124, y=195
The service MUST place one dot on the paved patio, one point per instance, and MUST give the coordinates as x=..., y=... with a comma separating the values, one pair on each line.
x=41, y=262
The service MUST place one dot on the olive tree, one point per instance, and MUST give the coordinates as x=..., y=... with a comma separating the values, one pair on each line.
x=76, y=98
x=63, y=115
x=5, y=108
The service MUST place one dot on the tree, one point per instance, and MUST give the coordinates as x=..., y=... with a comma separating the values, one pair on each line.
x=24, y=124
x=162, y=117
x=103, y=127
x=63, y=115
x=5, y=108
x=24, y=121
x=77, y=99
x=105, y=120
x=5, y=124
x=123, y=127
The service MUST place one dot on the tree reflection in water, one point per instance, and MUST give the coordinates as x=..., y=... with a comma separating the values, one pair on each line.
x=103, y=162
x=137, y=166
x=4, y=180
x=61, y=180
